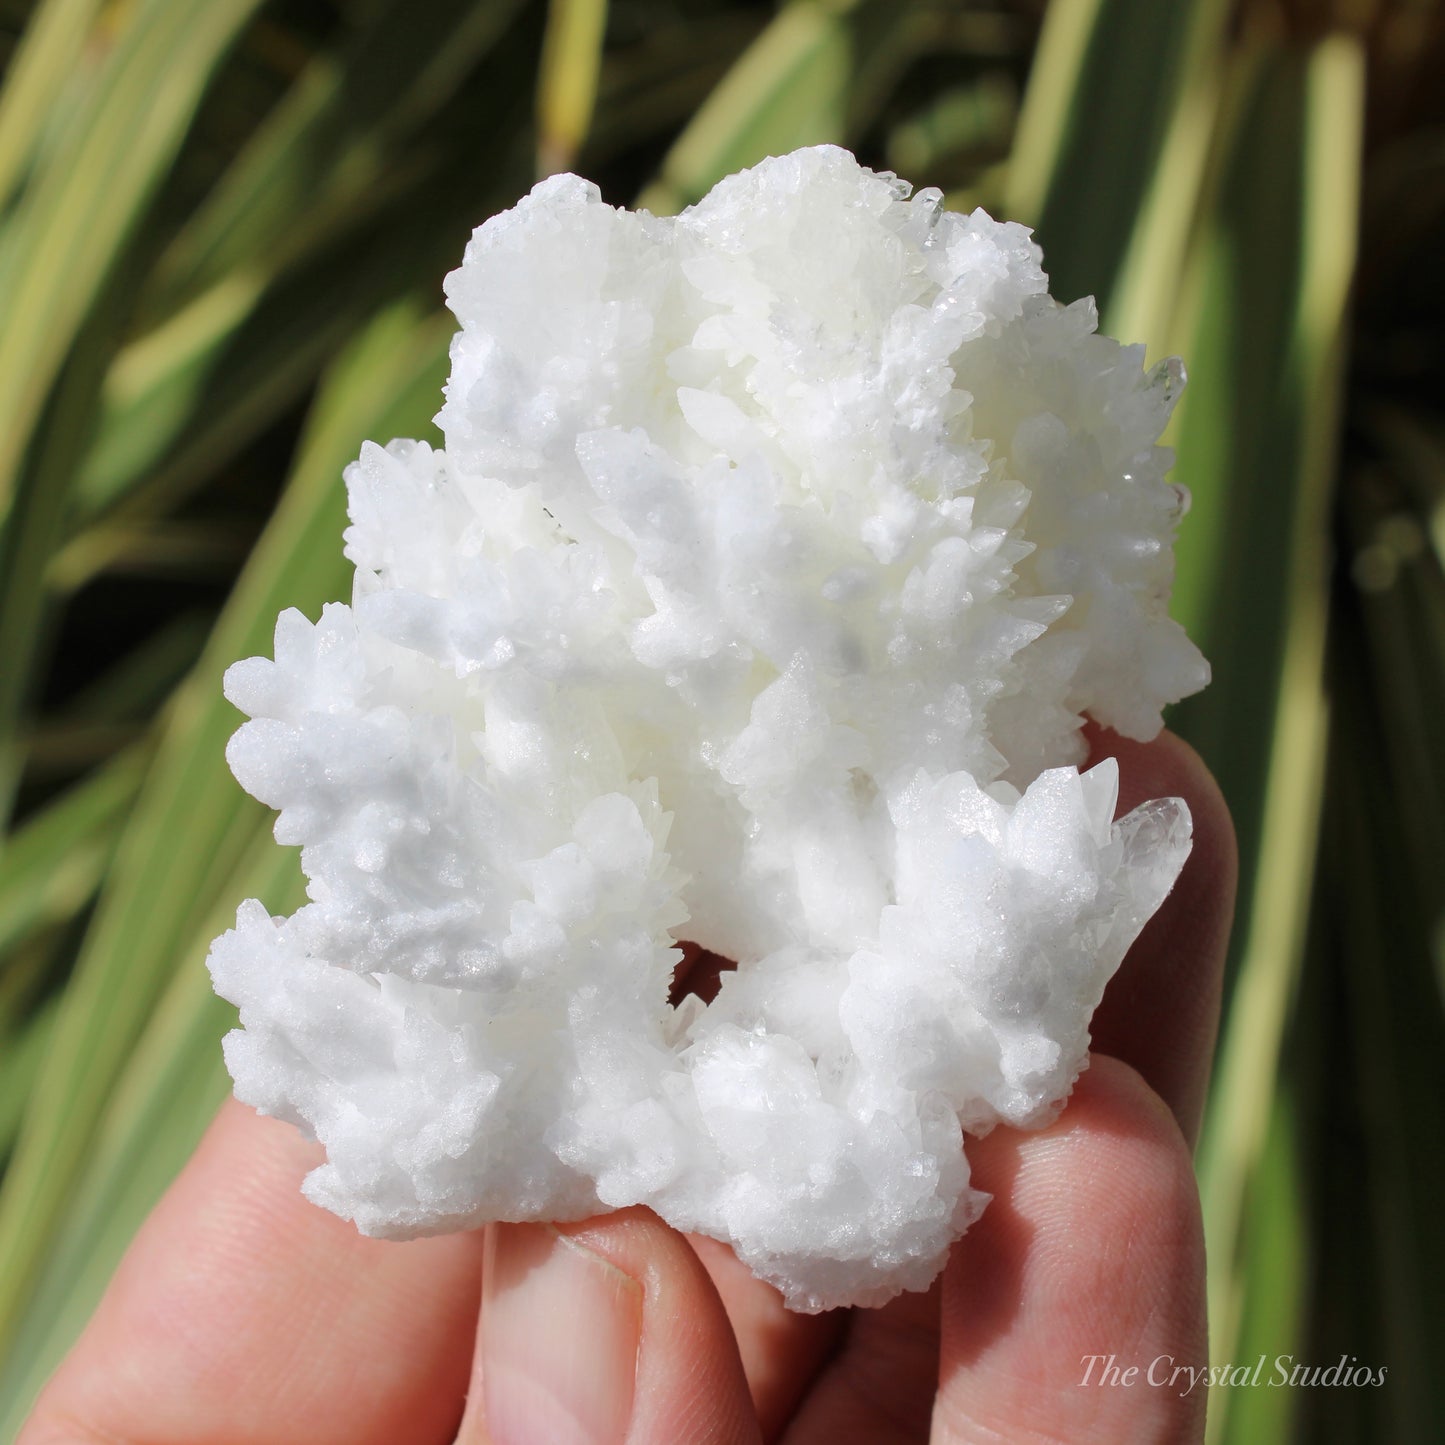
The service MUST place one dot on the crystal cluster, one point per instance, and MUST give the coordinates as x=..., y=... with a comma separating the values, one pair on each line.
x=775, y=554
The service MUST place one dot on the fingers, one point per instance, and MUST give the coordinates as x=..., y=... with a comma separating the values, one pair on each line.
x=607, y=1332
x=244, y=1313
x=1092, y=1247
x=1159, y=1014
x=781, y=1352
x=1161, y=1010
x=879, y=1387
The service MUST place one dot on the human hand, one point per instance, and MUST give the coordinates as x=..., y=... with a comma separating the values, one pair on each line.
x=243, y=1313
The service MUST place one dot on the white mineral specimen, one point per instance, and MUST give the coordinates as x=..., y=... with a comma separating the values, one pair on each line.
x=776, y=551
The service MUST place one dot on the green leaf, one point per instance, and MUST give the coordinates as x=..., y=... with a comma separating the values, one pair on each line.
x=192, y=825
x=53, y=865
x=1258, y=440
x=32, y=530
x=976, y=117
x=1179, y=188
x=325, y=213
x=44, y=62
x=789, y=88
x=567, y=80
x=114, y=149
x=1106, y=80
x=329, y=155
x=21, y=1050
x=1377, y=1058
x=1276, y=1242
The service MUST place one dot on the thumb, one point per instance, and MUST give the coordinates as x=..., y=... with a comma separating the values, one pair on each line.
x=605, y=1332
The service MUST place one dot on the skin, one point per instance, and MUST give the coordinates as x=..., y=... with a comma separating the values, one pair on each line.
x=242, y=1313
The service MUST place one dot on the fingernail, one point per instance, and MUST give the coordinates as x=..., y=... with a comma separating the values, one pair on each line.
x=560, y=1332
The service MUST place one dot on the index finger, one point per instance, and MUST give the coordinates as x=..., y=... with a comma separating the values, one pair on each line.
x=1160, y=1012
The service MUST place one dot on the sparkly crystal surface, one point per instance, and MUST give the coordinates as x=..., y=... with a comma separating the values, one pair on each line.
x=776, y=553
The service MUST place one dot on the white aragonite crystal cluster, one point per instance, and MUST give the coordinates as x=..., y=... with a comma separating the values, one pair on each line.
x=775, y=555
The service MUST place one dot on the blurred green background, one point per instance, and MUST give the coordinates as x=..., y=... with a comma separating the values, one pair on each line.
x=223, y=227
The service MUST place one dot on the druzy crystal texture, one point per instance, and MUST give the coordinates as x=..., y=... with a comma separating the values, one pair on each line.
x=775, y=555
